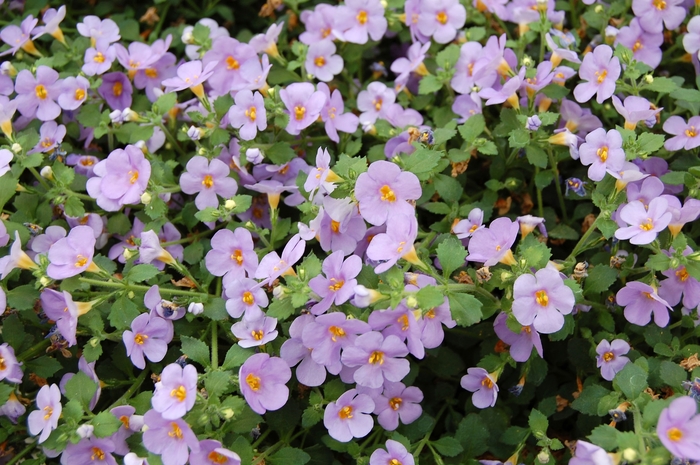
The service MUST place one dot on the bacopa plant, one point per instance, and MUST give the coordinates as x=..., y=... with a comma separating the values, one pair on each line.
x=372, y=232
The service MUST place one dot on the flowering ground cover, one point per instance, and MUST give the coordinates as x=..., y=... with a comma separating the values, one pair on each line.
x=373, y=232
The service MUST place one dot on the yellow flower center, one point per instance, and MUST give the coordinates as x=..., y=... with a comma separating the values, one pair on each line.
x=49, y=412
x=403, y=319
x=336, y=285
x=394, y=462
x=326, y=32
x=208, y=181
x=361, y=17
x=542, y=298
x=648, y=225
x=87, y=161
x=376, y=357
x=237, y=256
x=134, y=64
x=674, y=434
x=140, y=339
x=117, y=89
x=601, y=75
x=648, y=295
x=399, y=249
x=41, y=92
x=470, y=69
x=248, y=298
x=151, y=73
x=682, y=274
x=251, y=113
x=430, y=314
x=607, y=356
x=80, y=261
x=335, y=226
x=691, y=132
x=215, y=457
x=602, y=153
x=345, y=413
x=97, y=454
x=487, y=383
x=637, y=45
x=232, y=63
x=180, y=393
x=79, y=94
x=320, y=61
x=659, y=4
x=175, y=432
x=299, y=112
x=257, y=334
x=395, y=403
x=442, y=17
x=125, y=421
x=3, y=365
x=134, y=176
x=525, y=329
x=378, y=104
x=387, y=194
x=98, y=58
x=253, y=381
x=336, y=332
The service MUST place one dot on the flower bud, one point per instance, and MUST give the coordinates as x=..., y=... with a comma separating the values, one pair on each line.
x=411, y=301
x=648, y=78
x=230, y=204
x=599, y=9
x=543, y=456
x=187, y=36
x=131, y=295
x=146, y=198
x=128, y=253
x=254, y=155
x=194, y=133
x=195, y=308
x=202, y=151
x=85, y=431
x=227, y=413
x=46, y=172
x=94, y=342
x=16, y=147
x=116, y=117
x=629, y=454
x=129, y=115
x=44, y=281
x=278, y=292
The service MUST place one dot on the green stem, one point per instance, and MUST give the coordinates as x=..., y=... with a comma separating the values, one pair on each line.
x=426, y=438
x=471, y=288
x=35, y=349
x=214, y=345
x=560, y=194
x=172, y=140
x=193, y=236
x=583, y=240
x=130, y=392
x=540, y=206
x=39, y=178
x=139, y=287
x=22, y=453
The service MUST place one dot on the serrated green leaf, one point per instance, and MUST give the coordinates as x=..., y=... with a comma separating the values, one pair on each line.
x=562, y=231
x=81, y=388
x=672, y=374
x=448, y=446
x=217, y=382
x=311, y=416
x=195, y=350
x=604, y=436
x=448, y=187
x=142, y=272
x=289, y=456
x=544, y=179
x=465, y=308
x=235, y=357
x=123, y=312
x=535, y=155
x=589, y=399
x=429, y=297
x=280, y=153
x=472, y=128
x=661, y=85
x=429, y=84
x=649, y=143
x=105, y=424
x=451, y=254
x=538, y=424
x=631, y=380
x=422, y=162
x=600, y=278
x=473, y=434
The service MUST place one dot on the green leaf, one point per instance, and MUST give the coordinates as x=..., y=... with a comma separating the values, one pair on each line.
x=555, y=91
x=215, y=309
x=92, y=350
x=607, y=227
x=289, y=456
x=143, y=272
x=429, y=297
x=451, y=254
x=118, y=223
x=688, y=95
x=195, y=350
x=672, y=374
x=123, y=312
x=429, y=84
x=448, y=446
x=487, y=147
x=5, y=391
x=105, y=424
x=81, y=388
x=90, y=115
x=207, y=215
x=631, y=380
x=280, y=153
x=43, y=367
x=8, y=184
x=649, y=143
x=465, y=308
x=350, y=166
x=62, y=174
x=661, y=85
x=600, y=278
x=472, y=128
x=544, y=179
x=562, y=231
x=448, y=187
x=422, y=162
x=473, y=435
x=217, y=382
x=222, y=104
x=166, y=102
x=604, y=436
x=674, y=177
x=280, y=309
x=589, y=399
x=536, y=156
x=447, y=58
x=442, y=135
x=538, y=424
x=235, y=357
x=201, y=33
x=311, y=416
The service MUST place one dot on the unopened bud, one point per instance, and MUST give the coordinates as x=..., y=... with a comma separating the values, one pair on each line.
x=146, y=198
x=85, y=431
x=128, y=253
x=227, y=413
x=202, y=151
x=187, y=36
x=278, y=292
x=649, y=78
x=543, y=456
x=129, y=115
x=599, y=9
x=254, y=155
x=249, y=225
x=194, y=133
x=46, y=172
x=131, y=295
x=45, y=281
x=94, y=342
x=629, y=454
x=195, y=308
x=411, y=302
x=230, y=204
x=16, y=147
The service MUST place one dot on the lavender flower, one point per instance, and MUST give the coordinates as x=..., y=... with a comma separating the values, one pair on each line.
x=679, y=428
x=5, y=158
x=45, y=419
x=149, y=336
x=9, y=366
x=521, y=343
x=472, y=69
x=492, y=245
x=262, y=380
x=176, y=391
x=72, y=255
x=378, y=358
x=334, y=115
x=293, y=351
x=680, y=283
x=645, y=44
x=330, y=333
x=89, y=370
x=13, y=408
x=60, y=308
x=120, y=179
x=640, y=301
x=533, y=123
x=603, y=152
x=611, y=358
x=483, y=385
x=397, y=402
x=245, y=296
x=116, y=89
x=96, y=29
x=691, y=41
x=395, y=452
x=17, y=258
x=600, y=69
x=272, y=266
x=19, y=37
x=403, y=67
x=397, y=242
x=170, y=438
x=207, y=179
x=645, y=223
x=687, y=135
x=466, y=106
x=191, y=76
x=232, y=252
x=322, y=62
x=320, y=24
x=634, y=110
x=74, y=94
x=358, y=19
x=248, y=115
x=150, y=249
x=90, y=450
x=349, y=416
x=374, y=101
x=384, y=190
x=211, y=452
x=255, y=331
x=441, y=19
x=542, y=300
x=304, y=105
x=37, y=96
x=589, y=454
x=231, y=54
x=336, y=287
x=655, y=14
x=99, y=58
